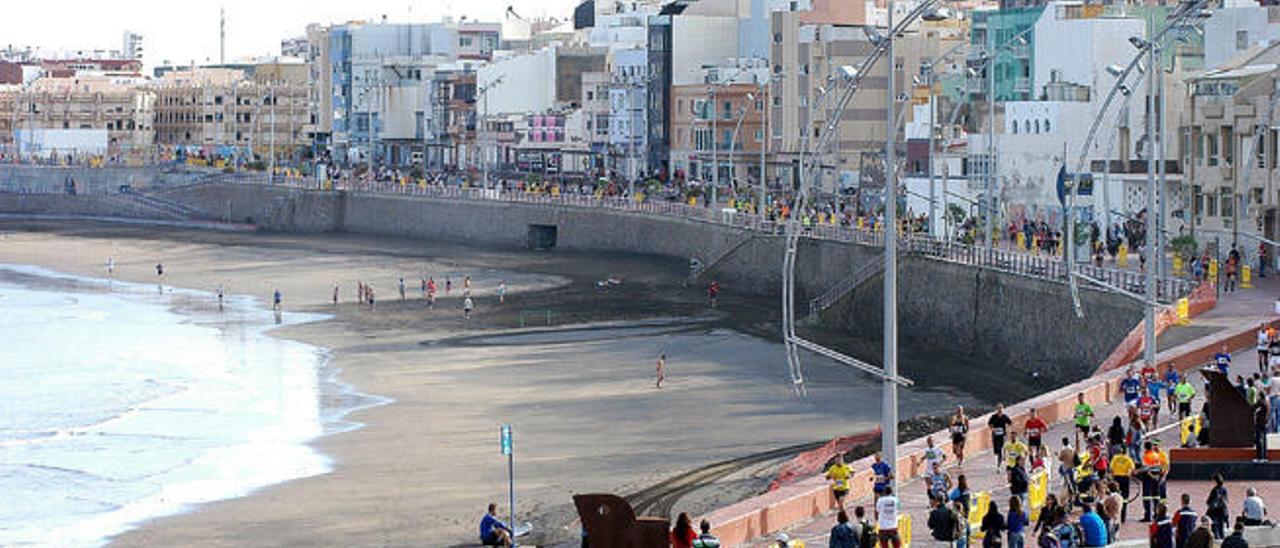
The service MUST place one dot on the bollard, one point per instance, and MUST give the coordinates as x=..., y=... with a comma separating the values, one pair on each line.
x=1213, y=271
x=1246, y=277
x=1122, y=256
x=1184, y=311
x=1177, y=265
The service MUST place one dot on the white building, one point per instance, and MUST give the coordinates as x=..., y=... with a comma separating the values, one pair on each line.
x=520, y=83
x=1232, y=30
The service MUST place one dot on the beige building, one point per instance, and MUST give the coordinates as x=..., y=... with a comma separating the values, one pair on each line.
x=807, y=58
x=211, y=109
x=51, y=106
x=1229, y=150
x=736, y=106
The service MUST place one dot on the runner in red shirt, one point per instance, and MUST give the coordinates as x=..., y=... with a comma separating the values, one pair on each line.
x=1036, y=428
x=1147, y=410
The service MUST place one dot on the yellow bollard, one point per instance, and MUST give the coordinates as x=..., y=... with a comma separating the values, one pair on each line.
x=1246, y=277
x=904, y=529
x=1213, y=271
x=1177, y=265
x=1122, y=256
x=1184, y=311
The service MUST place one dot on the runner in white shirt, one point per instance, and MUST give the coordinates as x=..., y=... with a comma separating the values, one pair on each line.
x=1264, y=348
x=887, y=510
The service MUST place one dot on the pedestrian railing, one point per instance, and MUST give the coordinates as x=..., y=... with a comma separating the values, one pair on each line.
x=843, y=287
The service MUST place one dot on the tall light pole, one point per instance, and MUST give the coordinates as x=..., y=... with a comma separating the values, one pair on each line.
x=271, y=171
x=742, y=116
x=1152, y=239
x=764, y=146
x=889, y=408
x=715, y=158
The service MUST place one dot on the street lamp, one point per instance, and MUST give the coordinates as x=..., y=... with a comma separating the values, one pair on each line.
x=742, y=115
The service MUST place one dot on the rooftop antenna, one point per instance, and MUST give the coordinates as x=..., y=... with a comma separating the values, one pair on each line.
x=222, y=36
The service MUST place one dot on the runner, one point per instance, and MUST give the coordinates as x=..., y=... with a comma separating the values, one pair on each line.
x=1184, y=393
x=999, y=425
x=1171, y=377
x=502, y=292
x=431, y=292
x=713, y=292
x=1131, y=387
x=1223, y=360
x=1036, y=428
x=1156, y=389
x=662, y=369
x=1014, y=449
x=933, y=457
x=959, y=431
x=402, y=289
x=276, y=297
x=839, y=473
x=1147, y=407
x=1084, y=419
x=882, y=473
x=467, y=306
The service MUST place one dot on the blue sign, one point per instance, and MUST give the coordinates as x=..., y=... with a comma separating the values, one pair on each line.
x=1084, y=180
x=506, y=439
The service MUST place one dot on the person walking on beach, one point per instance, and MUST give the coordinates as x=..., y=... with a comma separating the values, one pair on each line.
x=998, y=424
x=402, y=289
x=502, y=292
x=661, y=370
x=368, y=293
x=335, y=293
x=424, y=287
x=448, y=285
x=360, y=292
x=276, y=297
x=431, y=292
x=492, y=531
x=713, y=292
x=111, y=266
x=959, y=432
x=221, y=295
x=160, y=270
x=467, y=306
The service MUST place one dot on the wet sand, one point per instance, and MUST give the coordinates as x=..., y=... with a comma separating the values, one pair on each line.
x=587, y=417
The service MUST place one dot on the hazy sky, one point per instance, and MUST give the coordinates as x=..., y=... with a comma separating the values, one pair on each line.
x=182, y=31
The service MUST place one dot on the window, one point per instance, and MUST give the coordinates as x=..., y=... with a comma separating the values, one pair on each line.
x=1228, y=156
x=1037, y=127
x=1211, y=149
x=1197, y=200
x=759, y=135
x=1228, y=201
x=1015, y=127
x=1046, y=126
x=1026, y=126
x=1242, y=39
x=1210, y=205
x=464, y=41
x=590, y=95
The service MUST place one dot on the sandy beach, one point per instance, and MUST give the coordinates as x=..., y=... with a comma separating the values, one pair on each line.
x=579, y=393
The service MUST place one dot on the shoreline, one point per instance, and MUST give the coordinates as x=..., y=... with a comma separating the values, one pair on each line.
x=587, y=415
x=243, y=315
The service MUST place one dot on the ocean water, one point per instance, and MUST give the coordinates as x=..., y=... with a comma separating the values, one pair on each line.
x=120, y=402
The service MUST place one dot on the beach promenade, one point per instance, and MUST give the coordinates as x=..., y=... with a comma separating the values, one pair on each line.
x=1233, y=322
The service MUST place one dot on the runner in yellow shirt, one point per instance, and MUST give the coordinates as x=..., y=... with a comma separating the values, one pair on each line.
x=1014, y=449
x=839, y=473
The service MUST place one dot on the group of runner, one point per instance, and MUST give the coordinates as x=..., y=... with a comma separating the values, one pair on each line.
x=366, y=296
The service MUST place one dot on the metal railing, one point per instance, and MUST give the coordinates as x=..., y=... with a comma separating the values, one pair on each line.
x=831, y=296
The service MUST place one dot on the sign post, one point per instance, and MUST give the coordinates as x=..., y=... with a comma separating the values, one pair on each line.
x=511, y=477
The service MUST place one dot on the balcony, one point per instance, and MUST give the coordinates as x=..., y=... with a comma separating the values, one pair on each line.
x=1121, y=167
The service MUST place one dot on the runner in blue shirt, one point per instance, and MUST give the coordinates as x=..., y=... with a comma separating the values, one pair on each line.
x=1171, y=379
x=1130, y=386
x=1223, y=360
x=883, y=473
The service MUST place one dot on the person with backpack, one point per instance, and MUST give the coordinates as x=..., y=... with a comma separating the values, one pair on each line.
x=865, y=530
x=1016, y=521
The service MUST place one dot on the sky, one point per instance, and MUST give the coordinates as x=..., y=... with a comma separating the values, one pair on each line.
x=186, y=31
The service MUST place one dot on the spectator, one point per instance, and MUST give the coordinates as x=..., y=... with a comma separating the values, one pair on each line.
x=1122, y=467
x=1201, y=537
x=942, y=522
x=682, y=535
x=1095, y=532
x=1050, y=515
x=865, y=529
x=1019, y=482
x=1216, y=507
x=887, y=509
x=993, y=526
x=843, y=535
x=1161, y=535
x=1016, y=521
x=1254, y=509
x=706, y=539
x=1260, y=418
x=1115, y=436
x=961, y=517
x=492, y=531
x=1236, y=540
x=1184, y=522
x=1113, y=508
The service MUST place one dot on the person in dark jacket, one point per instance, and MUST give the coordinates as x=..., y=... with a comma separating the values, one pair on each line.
x=1201, y=537
x=993, y=526
x=1162, y=528
x=1236, y=540
x=942, y=523
x=1185, y=521
x=842, y=535
x=1216, y=507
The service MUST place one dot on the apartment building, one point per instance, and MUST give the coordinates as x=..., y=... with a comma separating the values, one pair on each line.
x=222, y=112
